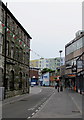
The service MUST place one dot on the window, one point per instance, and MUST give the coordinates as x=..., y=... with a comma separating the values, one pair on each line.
x=7, y=48
x=47, y=61
x=17, y=30
x=2, y=16
x=58, y=60
x=12, y=50
x=83, y=41
x=21, y=54
x=28, y=42
x=24, y=57
x=8, y=21
x=0, y=48
x=12, y=80
x=21, y=35
x=75, y=46
x=17, y=53
x=58, y=64
x=47, y=65
x=0, y=27
x=0, y=51
x=20, y=80
x=79, y=43
x=68, y=64
x=23, y=74
x=24, y=38
x=1, y=39
x=13, y=26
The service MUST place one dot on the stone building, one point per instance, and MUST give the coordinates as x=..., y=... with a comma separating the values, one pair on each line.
x=14, y=54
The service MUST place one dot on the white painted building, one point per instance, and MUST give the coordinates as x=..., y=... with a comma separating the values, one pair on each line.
x=51, y=63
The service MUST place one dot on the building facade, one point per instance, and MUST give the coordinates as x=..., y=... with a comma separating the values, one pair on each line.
x=34, y=76
x=50, y=63
x=14, y=54
x=73, y=51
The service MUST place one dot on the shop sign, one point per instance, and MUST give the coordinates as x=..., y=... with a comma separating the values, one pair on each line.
x=80, y=64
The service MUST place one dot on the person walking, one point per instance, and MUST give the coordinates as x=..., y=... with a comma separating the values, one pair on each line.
x=61, y=86
x=55, y=85
x=58, y=86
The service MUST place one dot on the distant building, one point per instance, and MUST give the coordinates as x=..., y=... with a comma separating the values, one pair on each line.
x=46, y=79
x=74, y=51
x=34, y=76
x=51, y=63
x=14, y=54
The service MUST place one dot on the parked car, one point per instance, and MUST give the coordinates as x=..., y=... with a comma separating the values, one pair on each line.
x=32, y=84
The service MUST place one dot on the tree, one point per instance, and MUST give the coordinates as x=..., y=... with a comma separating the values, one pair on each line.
x=46, y=70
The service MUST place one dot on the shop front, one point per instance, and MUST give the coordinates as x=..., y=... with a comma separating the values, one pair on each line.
x=80, y=82
x=70, y=81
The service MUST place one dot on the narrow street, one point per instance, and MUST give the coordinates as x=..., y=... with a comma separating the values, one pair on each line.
x=25, y=107
x=45, y=102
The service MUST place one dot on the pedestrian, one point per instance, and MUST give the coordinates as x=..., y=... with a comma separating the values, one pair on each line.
x=61, y=86
x=55, y=85
x=58, y=86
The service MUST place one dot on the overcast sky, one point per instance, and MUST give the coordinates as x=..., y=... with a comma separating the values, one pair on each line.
x=50, y=24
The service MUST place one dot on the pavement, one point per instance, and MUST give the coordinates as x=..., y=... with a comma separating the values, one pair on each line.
x=33, y=90
x=66, y=104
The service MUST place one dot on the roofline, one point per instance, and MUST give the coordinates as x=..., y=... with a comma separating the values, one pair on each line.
x=74, y=40
x=12, y=16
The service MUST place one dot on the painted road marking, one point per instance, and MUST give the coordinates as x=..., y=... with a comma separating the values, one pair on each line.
x=39, y=107
x=31, y=108
x=76, y=104
x=45, y=103
x=33, y=113
x=36, y=110
x=28, y=117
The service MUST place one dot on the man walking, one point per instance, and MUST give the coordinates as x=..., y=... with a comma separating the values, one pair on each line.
x=55, y=85
x=58, y=86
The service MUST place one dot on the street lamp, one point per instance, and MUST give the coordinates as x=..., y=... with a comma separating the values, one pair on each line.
x=60, y=51
x=60, y=56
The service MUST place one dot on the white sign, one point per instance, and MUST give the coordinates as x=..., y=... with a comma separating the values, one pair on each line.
x=79, y=64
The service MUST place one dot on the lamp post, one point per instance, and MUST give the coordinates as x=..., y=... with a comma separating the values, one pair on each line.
x=60, y=56
x=60, y=51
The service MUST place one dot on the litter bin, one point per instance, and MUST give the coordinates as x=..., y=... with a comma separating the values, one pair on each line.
x=1, y=93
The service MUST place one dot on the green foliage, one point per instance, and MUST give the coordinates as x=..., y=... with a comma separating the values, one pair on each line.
x=46, y=70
